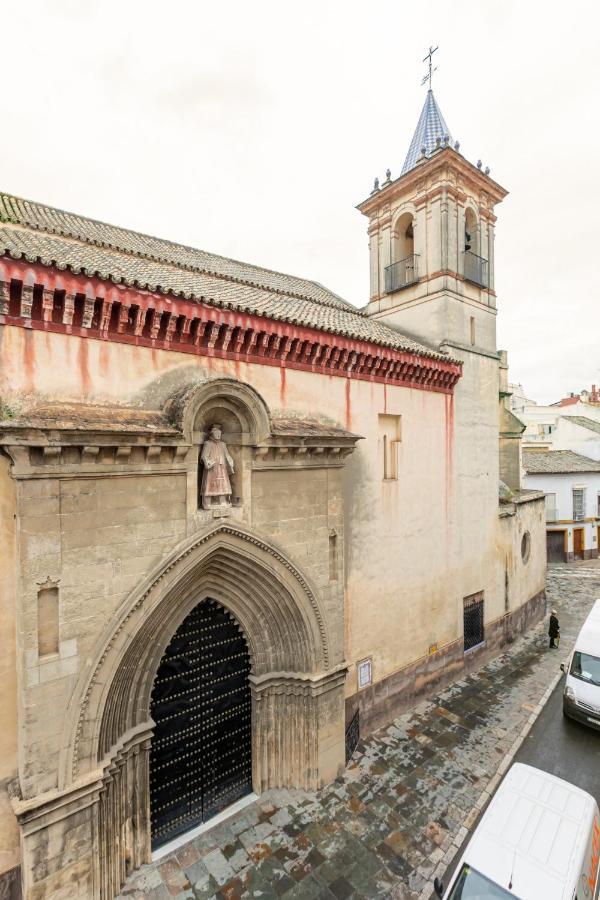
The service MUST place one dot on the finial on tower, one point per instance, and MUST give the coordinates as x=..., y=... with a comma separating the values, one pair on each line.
x=429, y=57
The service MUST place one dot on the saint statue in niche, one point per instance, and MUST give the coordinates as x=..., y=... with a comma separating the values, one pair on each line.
x=217, y=467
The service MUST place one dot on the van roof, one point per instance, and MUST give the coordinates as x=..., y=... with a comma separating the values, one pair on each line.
x=534, y=832
x=588, y=640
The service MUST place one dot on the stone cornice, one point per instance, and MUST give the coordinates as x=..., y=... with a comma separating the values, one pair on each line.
x=433, y=168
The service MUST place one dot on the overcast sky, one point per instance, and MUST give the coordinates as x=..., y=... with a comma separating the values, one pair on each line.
x=252, y=129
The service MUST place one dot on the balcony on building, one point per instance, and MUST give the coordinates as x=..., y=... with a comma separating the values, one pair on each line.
x=402, y=273
x=475, y=268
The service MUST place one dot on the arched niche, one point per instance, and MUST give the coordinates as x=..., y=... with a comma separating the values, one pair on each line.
x=244, y=419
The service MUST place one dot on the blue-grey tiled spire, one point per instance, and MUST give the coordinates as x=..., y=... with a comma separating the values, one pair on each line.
x=430, y=126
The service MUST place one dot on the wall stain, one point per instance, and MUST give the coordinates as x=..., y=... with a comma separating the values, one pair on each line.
x=449, y=448
x=83, y=364
x=348, y=405
x=282, y=388
x=28, y=360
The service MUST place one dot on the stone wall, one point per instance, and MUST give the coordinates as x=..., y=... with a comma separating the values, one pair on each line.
x=9, y=834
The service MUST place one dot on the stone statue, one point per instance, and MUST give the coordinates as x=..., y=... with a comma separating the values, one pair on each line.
x=218, y=466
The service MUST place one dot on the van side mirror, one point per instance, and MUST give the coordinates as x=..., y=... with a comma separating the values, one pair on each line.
x=562, y=667
x=438, y=887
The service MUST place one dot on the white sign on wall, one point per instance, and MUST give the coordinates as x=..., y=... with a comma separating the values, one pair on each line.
x=365, y=673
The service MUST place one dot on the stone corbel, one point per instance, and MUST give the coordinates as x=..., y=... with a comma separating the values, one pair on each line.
x=51, y=455
x=4, y=298
x=89, y=454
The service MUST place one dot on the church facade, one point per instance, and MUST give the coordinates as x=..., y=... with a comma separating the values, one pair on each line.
x=238, y=514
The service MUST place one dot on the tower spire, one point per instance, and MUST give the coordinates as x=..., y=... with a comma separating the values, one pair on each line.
x=430, y=127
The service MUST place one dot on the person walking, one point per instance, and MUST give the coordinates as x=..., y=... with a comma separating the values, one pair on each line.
x=554, y=631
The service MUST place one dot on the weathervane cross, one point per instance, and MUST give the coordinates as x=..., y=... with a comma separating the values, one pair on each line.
x=431, y=71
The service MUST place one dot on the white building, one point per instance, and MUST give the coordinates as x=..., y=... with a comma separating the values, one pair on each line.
x=571, y=483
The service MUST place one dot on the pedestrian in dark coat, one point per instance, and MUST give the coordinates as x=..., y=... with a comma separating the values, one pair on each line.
x=553, y=629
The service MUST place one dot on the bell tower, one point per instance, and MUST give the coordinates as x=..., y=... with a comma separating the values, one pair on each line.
x=431, y=239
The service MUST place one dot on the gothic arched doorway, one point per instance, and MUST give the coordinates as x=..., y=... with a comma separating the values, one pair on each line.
x=200, y=755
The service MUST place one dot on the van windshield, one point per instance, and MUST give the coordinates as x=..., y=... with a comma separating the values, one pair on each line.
x=586, y=667
x=472, y=885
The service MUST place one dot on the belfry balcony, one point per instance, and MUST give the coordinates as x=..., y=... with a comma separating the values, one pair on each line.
x=402, y=273
x=475, y=268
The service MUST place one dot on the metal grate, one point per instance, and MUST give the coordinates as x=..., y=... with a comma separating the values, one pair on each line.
x=402, y=273
x=352, y=735
x=578, y=504
x=473, y=621
x=476, y=268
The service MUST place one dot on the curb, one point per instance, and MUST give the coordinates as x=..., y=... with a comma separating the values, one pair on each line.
x=490, y=789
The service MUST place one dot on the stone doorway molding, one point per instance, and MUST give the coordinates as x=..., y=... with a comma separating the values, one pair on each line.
x=297, y=682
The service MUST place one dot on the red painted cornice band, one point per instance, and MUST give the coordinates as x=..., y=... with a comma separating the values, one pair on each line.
x=47, y=299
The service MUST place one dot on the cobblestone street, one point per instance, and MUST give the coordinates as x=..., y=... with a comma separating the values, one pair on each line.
x=408, y=795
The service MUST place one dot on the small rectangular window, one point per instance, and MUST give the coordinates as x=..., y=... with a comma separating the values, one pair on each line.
x=473, y=620
x=578, y=504
x=472, y=331
x=390, y=436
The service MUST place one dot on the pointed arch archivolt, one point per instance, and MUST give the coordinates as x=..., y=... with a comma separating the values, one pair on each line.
x=267, y=594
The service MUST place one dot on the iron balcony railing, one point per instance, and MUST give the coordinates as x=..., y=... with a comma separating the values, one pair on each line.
x=402, y=273
x=476, y=268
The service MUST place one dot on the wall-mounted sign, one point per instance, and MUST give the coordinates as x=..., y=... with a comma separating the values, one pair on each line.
x=365, y=673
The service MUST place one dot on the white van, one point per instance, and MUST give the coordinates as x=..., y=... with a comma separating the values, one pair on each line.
x=539, y=839
x=581, y=697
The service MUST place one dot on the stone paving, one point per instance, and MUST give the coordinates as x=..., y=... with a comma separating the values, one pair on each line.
x=409, y=792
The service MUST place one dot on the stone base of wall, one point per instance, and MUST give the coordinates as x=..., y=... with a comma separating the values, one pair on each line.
x=10, y=884
x=382, y=702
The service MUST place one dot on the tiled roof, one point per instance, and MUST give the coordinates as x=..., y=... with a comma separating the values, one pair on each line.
x=566, y=401
x=584, y=422
x=555, y=462
x=40, y=233
x=431, y=125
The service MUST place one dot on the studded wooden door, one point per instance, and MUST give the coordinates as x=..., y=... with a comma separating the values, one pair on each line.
x=200, y=756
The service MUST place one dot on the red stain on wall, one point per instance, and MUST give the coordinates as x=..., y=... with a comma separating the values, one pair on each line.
x=449, y=442
x=282, y=388
x=28, y=360
x=348, y=406
x=83, y=366
x=104, y=358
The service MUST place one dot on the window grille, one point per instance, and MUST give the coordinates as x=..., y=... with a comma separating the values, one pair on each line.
x=578, y=504
x=473, y=621
x=550, y=507
x=352, y=735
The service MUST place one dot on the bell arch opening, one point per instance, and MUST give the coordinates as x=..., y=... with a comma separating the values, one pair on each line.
x=201, y=749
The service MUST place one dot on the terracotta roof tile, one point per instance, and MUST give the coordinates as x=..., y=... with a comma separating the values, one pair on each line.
x=65, y=240
x=555, y=462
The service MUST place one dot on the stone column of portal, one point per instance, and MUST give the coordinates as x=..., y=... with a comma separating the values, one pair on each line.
x=297, y=729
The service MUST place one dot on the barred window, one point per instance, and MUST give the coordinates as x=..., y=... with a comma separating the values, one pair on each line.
x=578, y=504
x=473, y=620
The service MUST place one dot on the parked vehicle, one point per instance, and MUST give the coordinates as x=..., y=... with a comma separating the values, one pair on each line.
x=539, y=839
x=581, y=697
